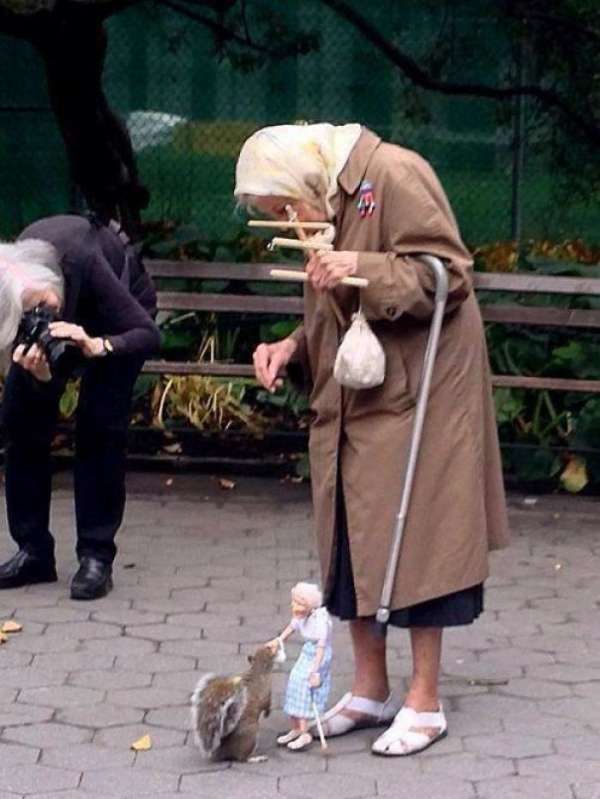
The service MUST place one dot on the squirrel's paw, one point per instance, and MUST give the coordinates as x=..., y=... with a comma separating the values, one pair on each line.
x=257, y=759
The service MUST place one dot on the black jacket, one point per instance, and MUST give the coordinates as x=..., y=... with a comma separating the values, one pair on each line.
x=93, y=258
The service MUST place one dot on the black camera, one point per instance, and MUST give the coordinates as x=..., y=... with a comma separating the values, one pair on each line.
x=62, y=354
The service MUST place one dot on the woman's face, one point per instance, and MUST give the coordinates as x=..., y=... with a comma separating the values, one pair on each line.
x=276, y=208
x=299, y=609
x=36, y=295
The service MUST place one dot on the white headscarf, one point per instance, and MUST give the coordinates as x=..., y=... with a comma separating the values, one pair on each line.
x=298, y=161
x=30, y=263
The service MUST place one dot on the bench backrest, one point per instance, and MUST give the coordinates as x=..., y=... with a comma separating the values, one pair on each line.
x=510, y=313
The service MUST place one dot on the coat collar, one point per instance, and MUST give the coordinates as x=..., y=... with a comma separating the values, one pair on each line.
x=356, y=165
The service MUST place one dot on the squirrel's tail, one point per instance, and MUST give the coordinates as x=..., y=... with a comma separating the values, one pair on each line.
x=217, y=707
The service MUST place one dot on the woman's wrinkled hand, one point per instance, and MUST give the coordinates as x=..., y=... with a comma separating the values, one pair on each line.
x=34, y=361
x=270, y=360
x=326, y=270
x=91, y=347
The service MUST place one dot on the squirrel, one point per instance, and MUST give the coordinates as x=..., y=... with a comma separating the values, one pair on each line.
x=226, y=710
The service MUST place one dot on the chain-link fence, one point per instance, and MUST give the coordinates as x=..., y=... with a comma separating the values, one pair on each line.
x=189, y=111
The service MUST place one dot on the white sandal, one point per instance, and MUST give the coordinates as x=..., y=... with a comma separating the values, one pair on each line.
x=369, y=712
x=301, y=742
x=284, y=740
x=406, y=735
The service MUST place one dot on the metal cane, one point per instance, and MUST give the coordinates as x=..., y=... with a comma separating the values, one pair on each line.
x=441, y=295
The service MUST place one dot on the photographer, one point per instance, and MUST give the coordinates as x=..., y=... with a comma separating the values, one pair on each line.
x=86, y=277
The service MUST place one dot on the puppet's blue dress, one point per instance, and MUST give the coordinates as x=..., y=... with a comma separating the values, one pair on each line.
x=299, y=696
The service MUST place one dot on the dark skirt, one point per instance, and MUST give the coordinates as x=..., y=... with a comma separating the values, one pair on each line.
x=451, y=610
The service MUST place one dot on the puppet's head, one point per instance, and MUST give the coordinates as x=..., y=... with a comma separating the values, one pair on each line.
x=306, y=597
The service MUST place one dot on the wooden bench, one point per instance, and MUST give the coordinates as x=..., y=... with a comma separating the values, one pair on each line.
x=513, y=313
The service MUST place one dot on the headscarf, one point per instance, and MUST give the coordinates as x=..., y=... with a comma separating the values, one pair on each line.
x=298, y=161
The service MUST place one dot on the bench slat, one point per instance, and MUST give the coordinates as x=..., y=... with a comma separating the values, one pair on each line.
x=553, y=317
x=548, y=383
x=246, y=370
x=541, y=284
x=237, y=303
x=203, y=368
x=211, y=270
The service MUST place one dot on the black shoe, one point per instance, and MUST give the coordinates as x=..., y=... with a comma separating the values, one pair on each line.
x=25, y=569
x=93, y=580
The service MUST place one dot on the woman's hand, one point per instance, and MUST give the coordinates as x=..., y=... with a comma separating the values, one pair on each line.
x=91, y=347
x=314, y=679
x=34, y=361
x=270, y=360
x=326, y=270
x=273, y=645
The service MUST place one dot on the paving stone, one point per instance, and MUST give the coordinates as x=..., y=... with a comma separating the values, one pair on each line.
x=228, y=785
x=574, y=769
x=565, y=673
x=519, y=787
x=154, y=663
x=410, y=787
x=109, y=679
x=128, y=616
x=31, y=677
x=508, y=745
x=323, y=786
x=535, y=689
x=61, y=696
x=590, y=790
x=182, y=680
x=9, y=658
x=86, y=757
x=163, y=632
x=200, y=648
x=15, y=714
x=84, y=630
x=13, y=754
x=149, y=698
x=121, y=737
x=29, y=778
x=467, y=766
x=41, y=644
x=51, y=614
x=47, y=734
x=585, y=710
x=130, y=781
x=99, y=716
x=178, y=759
x=121, y=647
x=73, y=661
x=176, y=718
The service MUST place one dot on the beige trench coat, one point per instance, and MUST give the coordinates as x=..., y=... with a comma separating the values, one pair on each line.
x=457, y=513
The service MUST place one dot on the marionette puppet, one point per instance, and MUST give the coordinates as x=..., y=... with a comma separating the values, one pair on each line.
x=310, y=679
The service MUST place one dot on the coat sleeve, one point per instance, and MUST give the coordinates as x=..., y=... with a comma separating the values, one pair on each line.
x=416, y=219
x=129, y=327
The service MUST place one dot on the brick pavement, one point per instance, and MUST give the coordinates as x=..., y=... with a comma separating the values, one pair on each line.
x=204, y=574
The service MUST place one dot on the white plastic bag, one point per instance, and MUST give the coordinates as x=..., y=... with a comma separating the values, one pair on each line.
x=360, y=359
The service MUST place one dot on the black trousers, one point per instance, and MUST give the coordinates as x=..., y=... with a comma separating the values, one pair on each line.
x=29, y=415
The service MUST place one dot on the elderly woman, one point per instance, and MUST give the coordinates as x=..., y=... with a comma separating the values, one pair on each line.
x=87, y=275
x=387, y=206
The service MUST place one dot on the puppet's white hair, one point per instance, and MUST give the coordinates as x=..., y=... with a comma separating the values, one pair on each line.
x=308, y=594
x=30, y=263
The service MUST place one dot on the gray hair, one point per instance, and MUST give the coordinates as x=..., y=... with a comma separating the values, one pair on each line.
x=30, y=263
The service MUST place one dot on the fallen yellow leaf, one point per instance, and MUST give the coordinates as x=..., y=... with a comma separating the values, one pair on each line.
x=575, y=477
x=3, y=638
x=225, y=484
x=143, y=744
x=11, y=627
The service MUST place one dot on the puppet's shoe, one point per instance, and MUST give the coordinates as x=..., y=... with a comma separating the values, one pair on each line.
x=411, y=732
x=358, y=713
x=284, y=740
x=301, y=742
